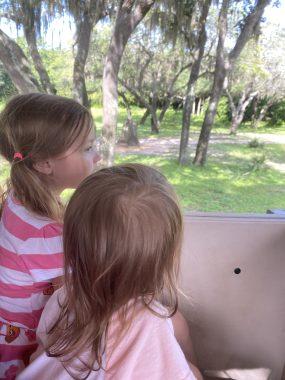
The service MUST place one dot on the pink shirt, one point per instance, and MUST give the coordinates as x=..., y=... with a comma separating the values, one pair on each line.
x=148, y=350
x=31, y=255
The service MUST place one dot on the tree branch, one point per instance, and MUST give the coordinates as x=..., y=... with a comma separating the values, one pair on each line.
x=134, y=92
x=9, y=16
x=250, y=22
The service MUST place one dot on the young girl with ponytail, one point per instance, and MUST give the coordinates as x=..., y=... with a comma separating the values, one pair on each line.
x=49, y=142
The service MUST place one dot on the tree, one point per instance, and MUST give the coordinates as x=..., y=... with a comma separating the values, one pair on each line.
x=244, y=82
x=129, y=133
x=129, y=15
x=151, y=71
x=272, y=87
x=28, y=15
x=86, y=14
x=17, y=65
x=238, y=110
x=198, y=47
x=224, y=65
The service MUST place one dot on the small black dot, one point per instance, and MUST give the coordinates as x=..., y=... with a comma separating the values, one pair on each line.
x=237, y=271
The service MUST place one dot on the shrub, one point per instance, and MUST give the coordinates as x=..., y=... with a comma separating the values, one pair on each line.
x=223, y=111
x=255, y=143
x=257, y=162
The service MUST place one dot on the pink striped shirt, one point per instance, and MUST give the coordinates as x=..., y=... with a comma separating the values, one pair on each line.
x=31, y=255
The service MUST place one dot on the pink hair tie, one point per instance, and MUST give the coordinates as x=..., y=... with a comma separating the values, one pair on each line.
x=18, y=155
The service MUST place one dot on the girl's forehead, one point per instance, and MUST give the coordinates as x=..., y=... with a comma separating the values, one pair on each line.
x=91, y=135
x=84, y=138
x=81, y=140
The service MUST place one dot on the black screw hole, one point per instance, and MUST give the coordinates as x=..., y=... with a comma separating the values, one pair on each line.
x=237, y=271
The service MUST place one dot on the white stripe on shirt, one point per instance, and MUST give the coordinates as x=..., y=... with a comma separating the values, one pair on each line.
x=11, y=276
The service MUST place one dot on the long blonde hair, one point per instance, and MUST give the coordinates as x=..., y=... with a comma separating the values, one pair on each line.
x=39, y=126
x=122, y=237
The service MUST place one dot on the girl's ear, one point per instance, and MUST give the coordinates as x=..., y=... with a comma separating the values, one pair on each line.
x=44, y=167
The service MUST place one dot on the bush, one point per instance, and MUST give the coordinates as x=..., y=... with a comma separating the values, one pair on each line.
x=223, y=111
x=257, y=162
x=276, y=113
x=255, y=143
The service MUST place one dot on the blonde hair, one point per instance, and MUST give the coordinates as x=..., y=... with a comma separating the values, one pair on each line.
x=122, y=237
x=39, y=126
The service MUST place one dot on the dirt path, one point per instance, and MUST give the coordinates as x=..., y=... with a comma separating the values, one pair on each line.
x=169, y=146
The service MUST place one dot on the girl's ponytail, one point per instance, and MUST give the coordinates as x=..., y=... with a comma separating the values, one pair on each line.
x=30, y=189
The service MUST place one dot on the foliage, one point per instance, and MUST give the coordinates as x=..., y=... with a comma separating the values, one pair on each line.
x=255, y=143
x=223, y=111
x=249, y=70
x=100, y=40
x=6, y=86
x=58, y=63
x=276, y=113
x=149, y=65
x=257, y=162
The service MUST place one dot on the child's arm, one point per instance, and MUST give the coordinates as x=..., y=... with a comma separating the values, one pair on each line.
x=196, y=372
x=182, y=335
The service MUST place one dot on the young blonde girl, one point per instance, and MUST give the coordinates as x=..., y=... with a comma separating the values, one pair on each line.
x=122, y=237
x=48, y=141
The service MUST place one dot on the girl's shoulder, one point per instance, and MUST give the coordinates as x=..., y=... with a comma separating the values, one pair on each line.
x=148, y=348
x=25, y=224
x=153, y=318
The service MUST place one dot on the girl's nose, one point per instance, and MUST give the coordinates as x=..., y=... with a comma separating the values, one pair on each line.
x=96, y=157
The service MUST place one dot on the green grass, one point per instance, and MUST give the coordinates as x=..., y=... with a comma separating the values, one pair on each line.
x=233, y=184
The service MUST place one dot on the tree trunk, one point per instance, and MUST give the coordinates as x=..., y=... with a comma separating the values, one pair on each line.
x=219, y=78
x=129, y=133
x=257, y=118
x=154, y=101
x=239, y=111
x=144, y=117
x=262, y=113
x=194, y=74
x=154, y=122
x=223, y=67
x=17, y=65
x=126, y=21
x=83, y=32
x=254, y=113
x=91, y=12
x=30, y=36
x=164, y=109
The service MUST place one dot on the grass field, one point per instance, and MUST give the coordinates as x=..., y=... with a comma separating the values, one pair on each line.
x=238, y=185
x=237, y=178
